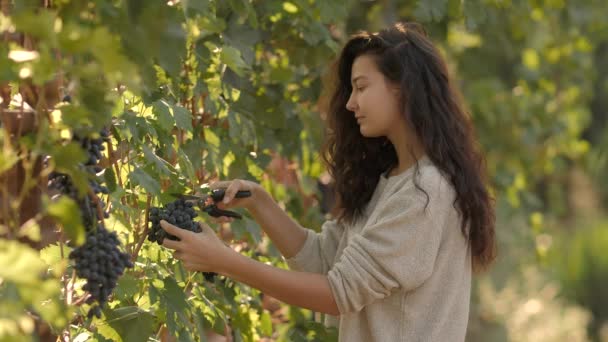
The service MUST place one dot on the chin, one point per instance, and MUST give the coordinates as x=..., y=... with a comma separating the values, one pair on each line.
x=369, y=134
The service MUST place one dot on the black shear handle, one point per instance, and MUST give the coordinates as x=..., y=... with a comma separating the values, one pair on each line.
x=218, y=194
x=217, y=212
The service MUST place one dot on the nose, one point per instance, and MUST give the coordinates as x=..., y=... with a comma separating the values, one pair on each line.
x=351, y=103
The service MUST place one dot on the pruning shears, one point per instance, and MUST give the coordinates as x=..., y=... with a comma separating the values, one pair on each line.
x=207, y=203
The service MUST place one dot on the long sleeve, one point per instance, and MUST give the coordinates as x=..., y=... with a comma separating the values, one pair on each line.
x=319, y=250
x=403, y=271
x=396, y=252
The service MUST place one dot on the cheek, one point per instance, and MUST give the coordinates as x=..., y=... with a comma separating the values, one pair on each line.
x=391, y=109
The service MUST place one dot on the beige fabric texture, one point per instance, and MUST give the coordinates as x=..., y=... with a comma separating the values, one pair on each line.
x=401, y=272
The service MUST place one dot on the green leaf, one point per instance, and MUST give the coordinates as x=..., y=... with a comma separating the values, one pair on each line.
x=140, y=177
x=52, y=254
x=162, y=111
x=131, y=323
x=65, y=157
x=195, y=148
x=174, y=295
x=173, y=46
x=19, y=263
x=25, y=284
x=175, y=302
x=97, y=337
x=241, y=129
x=126, y=288
x=183, y=118
x=185, y=165
x=200, y=6
x=247, y=226
x=232, y=58
x=474, y=13
x=110, y=177
x=108, y=331
x=243, y=38
x=39, y=25
x=159, y=163
x=430, y=10
x=67, y=212
x=266, y=324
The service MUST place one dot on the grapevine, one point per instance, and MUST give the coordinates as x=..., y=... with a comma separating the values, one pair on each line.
x=99, y=260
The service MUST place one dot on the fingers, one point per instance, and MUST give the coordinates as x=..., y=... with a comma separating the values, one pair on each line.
x=171, y=244
x=222, y=219
x=232, y=189
x=173, y=230
x=220, y=185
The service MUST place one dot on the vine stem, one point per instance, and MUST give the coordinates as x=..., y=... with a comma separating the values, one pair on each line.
x=97, y=203
x=142, y=238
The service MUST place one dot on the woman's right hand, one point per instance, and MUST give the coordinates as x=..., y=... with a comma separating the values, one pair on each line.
x=232, y=187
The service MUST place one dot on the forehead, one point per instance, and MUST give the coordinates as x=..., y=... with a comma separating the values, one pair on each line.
x=365, y=66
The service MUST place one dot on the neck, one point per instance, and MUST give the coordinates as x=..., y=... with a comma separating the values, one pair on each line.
x=408, y=151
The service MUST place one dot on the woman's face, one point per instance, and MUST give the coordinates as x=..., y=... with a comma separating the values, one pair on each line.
x=374, y=100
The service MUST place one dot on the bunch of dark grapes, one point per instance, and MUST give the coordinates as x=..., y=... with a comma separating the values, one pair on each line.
x=94, y=147
x=63, y=184
x=179, y=213
x=101, y=262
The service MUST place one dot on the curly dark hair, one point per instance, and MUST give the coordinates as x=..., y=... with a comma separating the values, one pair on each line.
x=433, y=108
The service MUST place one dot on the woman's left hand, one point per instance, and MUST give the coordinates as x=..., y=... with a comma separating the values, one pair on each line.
x=203, y=251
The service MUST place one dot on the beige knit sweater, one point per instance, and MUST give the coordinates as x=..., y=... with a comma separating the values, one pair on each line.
x=400, y=273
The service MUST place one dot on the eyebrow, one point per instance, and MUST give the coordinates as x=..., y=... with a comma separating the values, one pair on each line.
x=361, y=77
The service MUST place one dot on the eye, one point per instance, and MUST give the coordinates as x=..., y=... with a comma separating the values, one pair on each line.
x=360, y=88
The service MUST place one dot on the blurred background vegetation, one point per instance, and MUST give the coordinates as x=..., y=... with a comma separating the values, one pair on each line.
x=535, y=77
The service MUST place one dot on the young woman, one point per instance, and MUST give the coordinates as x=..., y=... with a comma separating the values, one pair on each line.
x=415, y=218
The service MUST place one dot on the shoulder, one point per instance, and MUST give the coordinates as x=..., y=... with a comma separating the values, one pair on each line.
x=427, y=188
x=434, y=181
x=424, y=178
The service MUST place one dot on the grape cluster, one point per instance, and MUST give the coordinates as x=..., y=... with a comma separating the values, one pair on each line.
x=179, y=213
x=94, y=147
x=62, y=184
x=101, y=262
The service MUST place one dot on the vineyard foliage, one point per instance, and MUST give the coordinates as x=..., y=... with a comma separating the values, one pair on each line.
x=198, y=91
